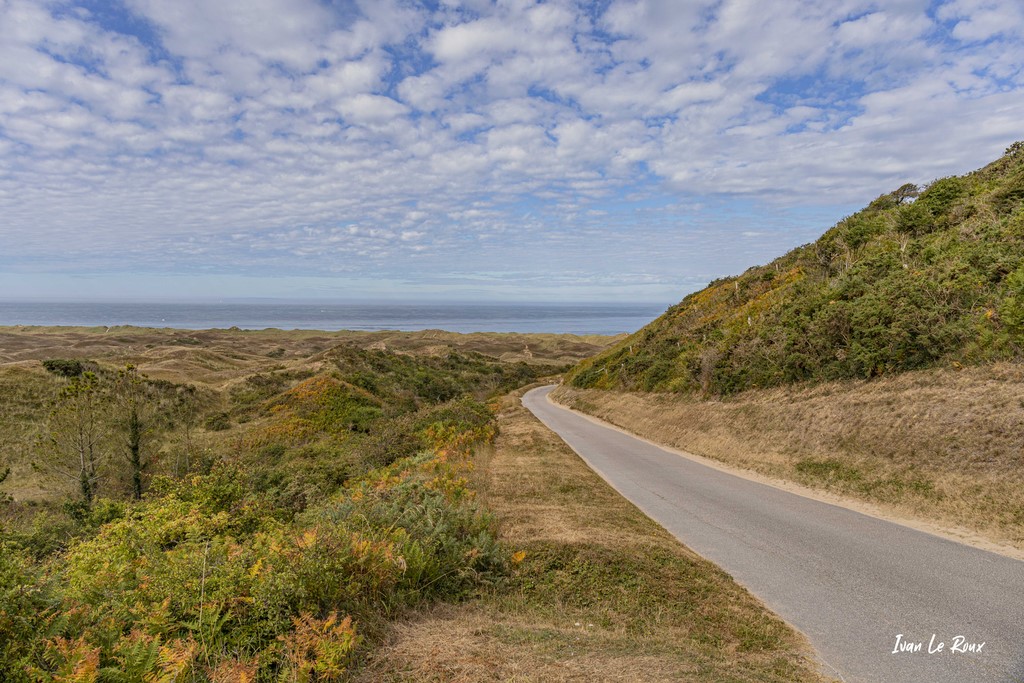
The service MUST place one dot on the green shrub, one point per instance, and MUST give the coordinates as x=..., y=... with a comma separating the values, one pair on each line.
x=447, y=545
x=218, y=422
x=66, y=367
x=915, y=219
x=939, y=197
x=1010, y=197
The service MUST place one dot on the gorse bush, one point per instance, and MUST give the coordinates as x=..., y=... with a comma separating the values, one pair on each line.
x=898, y=286
x=67, y=367
x=446, y=543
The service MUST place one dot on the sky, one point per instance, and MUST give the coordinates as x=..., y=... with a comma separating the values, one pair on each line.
x=618, y=150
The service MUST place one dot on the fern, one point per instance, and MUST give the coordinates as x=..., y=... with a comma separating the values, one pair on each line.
x=138, y=660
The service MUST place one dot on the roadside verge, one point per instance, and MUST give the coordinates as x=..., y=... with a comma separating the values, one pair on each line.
x=602, y=593
x=855, y=449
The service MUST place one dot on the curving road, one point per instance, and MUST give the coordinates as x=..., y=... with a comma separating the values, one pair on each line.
x=852, y=583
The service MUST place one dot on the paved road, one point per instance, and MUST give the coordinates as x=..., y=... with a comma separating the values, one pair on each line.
x=851, y=582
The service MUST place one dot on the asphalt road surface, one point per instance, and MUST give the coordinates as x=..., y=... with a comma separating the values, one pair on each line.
x=854, y=584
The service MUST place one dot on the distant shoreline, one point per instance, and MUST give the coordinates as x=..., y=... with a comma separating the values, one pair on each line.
x=272, y=331
x=579, y=319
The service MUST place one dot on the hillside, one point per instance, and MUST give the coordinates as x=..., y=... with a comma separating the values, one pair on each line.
x=909, y=282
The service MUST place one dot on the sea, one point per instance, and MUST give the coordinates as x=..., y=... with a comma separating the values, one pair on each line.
x=578, y=318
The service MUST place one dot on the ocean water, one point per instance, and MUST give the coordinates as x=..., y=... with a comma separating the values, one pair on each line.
x=586, y=318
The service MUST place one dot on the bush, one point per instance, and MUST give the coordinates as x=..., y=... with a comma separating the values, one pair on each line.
x=939, y=197
x=1011, y=311
x=445, y=542
x=65, y=367
x=50, y=531
x=218, y=422
x=915, y=219
x=1009, y=198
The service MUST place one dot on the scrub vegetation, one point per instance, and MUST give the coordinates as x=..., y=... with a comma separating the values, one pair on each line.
x=262, y=526
x=906, y=283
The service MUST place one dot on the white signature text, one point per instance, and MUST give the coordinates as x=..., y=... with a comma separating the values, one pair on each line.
x=959, y=644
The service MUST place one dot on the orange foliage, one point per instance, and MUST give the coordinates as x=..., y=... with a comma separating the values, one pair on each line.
x=318, y=649
x=234, y=671
x=76, y=661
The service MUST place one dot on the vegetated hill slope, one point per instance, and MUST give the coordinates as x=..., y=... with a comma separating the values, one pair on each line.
x=905, y=283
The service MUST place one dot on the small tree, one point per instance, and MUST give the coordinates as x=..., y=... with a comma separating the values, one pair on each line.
x=186, y=409
x=905, y=192
x=75, y=445
x=134, y=421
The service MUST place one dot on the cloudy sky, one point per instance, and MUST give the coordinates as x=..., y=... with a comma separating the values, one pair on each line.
x=615, y=150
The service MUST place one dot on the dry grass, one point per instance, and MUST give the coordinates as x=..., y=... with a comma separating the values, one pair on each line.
x=215, y=360
x=469, y=643
x=603, y=594
x=23, y=397
x=944, y=446
x=216, y=357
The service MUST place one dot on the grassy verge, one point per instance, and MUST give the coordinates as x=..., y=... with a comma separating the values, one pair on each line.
x=601, y=592
x=943, y=446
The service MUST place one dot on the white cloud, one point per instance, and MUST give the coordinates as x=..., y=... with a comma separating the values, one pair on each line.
x=476, y=41
x=365, y=108
x=222, y=33
x=979, y=20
